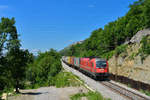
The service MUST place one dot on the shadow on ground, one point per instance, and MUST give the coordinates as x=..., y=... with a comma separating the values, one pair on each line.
x=32, y=93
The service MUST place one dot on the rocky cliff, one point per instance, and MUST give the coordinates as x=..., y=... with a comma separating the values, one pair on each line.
x=130, y=63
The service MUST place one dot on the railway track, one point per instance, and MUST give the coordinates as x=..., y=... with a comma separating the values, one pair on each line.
x=130, y=95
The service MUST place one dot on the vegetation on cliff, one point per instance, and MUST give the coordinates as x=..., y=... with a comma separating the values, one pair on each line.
x=145, y=48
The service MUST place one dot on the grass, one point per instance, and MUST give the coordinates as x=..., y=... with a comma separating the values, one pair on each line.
x=90, y=96
x=145, y=92
x=62, y=79
x=65, y=79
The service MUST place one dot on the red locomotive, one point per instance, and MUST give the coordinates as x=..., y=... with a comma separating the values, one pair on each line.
x=95, y=67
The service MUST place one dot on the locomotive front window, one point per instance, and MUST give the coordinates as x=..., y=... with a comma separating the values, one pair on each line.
x=101, y=64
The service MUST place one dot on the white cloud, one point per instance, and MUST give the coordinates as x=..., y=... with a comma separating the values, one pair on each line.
x=34, y=51
x=91, y=6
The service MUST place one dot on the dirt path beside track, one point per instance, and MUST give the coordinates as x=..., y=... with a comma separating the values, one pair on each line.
x=48, y=93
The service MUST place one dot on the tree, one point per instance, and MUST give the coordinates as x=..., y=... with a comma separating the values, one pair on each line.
x=8, y=40
x=18, y=60
x=14, y=61
x=44, y=68
x=147, y=13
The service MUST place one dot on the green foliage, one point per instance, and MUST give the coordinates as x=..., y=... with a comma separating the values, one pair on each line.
x=8, y=34
x=5, y=75
x=17, y=61
x=65, y=51
x=120, y=49
x=13, y=63
x=64, y=79
x=9, y=41
x=145, y=48
x=133, y=55
x=108, y=55
x=145, y=92
x=144, y=51
x=44, y=68
x=90, y=96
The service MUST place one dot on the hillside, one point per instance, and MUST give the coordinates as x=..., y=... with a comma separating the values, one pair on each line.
x=125, y=38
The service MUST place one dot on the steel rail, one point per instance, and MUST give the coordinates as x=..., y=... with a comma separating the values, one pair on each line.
x=123, y=91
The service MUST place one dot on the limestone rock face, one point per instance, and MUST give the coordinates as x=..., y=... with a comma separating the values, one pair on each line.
x=138, y=37
x=132, y=65
x=132, y=68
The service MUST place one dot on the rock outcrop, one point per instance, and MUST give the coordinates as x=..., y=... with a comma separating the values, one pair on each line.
x=129, y=63
x=138, y=37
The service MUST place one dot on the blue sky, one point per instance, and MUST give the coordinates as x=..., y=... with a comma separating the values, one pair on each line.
x=45, y=24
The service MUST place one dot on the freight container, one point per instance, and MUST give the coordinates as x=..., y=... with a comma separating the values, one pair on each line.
x=77, y=62
x=72, y=60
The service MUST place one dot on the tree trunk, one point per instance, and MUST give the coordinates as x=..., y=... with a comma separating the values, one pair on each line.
x=17, y=86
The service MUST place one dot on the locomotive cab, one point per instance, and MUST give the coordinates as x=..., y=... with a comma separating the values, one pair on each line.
x=101, y=68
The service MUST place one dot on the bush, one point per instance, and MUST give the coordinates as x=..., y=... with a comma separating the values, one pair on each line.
x=144, y=51
x=44, y=69
x=108, y=55
x=145, y=48
x=120, y=49
x=133, y=55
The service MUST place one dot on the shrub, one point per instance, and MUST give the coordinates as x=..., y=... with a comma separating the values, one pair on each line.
x=145, y=48
x=120, y=49
x=108, y=55
x=144, y=51
x=44, y=69
x=133, y=55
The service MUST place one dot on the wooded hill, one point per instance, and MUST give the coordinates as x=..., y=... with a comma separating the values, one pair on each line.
x=110, y=40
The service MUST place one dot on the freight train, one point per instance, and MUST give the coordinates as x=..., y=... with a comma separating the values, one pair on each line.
x=94, y=67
